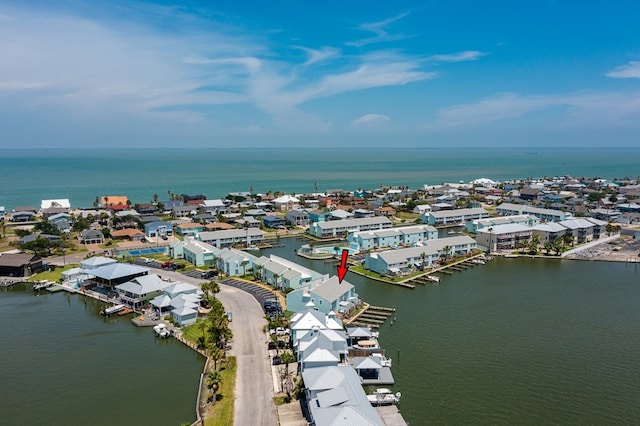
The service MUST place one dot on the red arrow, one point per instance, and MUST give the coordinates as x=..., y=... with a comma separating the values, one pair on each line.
x=342, y=268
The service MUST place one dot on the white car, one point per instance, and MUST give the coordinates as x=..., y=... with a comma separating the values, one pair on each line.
x=281, y=331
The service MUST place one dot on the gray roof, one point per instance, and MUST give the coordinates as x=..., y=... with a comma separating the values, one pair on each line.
x=230, y=233
x=143, y=285
x=117, y=270
x=353, y=222
x=458, y=212
x=332, y=289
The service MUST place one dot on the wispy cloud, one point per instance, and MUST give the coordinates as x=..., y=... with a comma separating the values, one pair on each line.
x=581, y=109
x=369, y=119
x=319, y=55
x=630, y=70
x=467, y=55
x=380, y=30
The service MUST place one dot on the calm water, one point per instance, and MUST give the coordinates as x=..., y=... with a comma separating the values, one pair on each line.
x=30, y=176
x=516, y=341
x=61, y=363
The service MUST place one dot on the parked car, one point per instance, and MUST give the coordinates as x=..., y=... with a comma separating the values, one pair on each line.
x=281, y=331
x=229, y=316
x=168, y=264
x=208, y=275
x=276, y=360
x=271, y=345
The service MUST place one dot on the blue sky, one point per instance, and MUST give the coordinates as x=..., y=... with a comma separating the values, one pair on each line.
x=291, y=73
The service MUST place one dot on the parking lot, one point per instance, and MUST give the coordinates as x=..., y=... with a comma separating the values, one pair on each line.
x=261, y=294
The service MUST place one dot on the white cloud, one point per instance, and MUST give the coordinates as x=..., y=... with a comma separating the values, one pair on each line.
x=379, y=29
x=468, y=55
x=581, y=109
x=370, y=119
x=630, y=70
x=317, y=56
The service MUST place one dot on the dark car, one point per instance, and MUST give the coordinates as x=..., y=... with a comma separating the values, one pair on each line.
x=208, y=274
x=276, y=360
x=271, y=345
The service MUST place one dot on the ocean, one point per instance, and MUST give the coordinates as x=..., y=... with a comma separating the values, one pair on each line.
x=29, y=176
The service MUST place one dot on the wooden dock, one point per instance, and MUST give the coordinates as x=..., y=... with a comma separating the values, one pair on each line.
x=373, y=316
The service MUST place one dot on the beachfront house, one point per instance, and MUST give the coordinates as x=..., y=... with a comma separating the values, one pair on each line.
x=286, y=202
x=214, y=207
x=326, y=294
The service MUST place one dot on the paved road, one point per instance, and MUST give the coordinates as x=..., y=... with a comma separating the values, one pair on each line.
x=254, y=384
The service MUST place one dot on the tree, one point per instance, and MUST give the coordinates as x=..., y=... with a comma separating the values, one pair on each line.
x=287, y=358
x=533, y=244
x=548, y=247
x=214, y=379
x=244, y=264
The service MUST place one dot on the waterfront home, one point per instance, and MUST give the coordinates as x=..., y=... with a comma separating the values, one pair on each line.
x=158, y=228
x=96, y=262
x=355, y=334
x=273, y=222
x=230, y=237
x=184, y=210
x=340, y=228
x=21, y=216
x=282, y=273
x=62, y=203
x=332, y=341
x=234, y=262
x=403, y=261
x=580, y=230
x=297, y=217
x=19, y=264
x=214, y=207
x=394, y=237
x=504, y=237
x=334, y=396
x=545, y=215
x=91, y=236
x=302, y=322
x=523, y=219
x=139, y=290
x=286, y=202
x=33, y=237
x=185, y=309
x=326, y=294
x=548, y=231
x=113, y=274
x=450, y=217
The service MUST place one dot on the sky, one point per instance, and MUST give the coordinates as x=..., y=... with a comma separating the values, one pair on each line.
x=433, y=74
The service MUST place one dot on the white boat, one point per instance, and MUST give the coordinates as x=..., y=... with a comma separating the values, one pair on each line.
x=161, y=330
x=384, y=361
x=478, y=261
x=383, y=396
x=113, y=310
x=433, y=278
x=252, y=248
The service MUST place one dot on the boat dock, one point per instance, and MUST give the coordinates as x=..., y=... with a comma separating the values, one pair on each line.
x=372, y=316
x=390, y=415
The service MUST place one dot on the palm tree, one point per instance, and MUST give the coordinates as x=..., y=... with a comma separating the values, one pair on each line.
x=203, y=326
x=258, y=269
x=287, y=358
x=216, y=355
x=214, y=379
x=275, y=279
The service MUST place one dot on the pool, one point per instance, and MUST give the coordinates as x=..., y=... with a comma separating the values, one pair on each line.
x=140, y=252
x=334, y=250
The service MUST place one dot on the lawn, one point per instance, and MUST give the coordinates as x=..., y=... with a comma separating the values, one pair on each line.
x=54, y=275
x=192, y=332
x=222, y=412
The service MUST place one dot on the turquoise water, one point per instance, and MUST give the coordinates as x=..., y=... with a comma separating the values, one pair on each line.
x=81, y=175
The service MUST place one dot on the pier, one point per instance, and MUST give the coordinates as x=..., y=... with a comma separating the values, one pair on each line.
x=372, y=316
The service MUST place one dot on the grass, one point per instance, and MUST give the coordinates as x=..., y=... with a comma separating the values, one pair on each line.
x=407, y=215
x=192, y=332
x=279, y=400
x=54, y=275
x=222, y=412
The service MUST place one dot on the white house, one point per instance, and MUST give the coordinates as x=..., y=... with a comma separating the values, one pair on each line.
x=326, y=294
x=286, y=202
x=403, y=236
x=141, y=289
x=336, y=228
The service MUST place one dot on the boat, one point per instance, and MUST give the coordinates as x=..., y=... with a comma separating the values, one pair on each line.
x=161, y=330
x=383, y=396
x=433, y=278
x=112, y=310
x=252, y=248
x=384, y=361
x=42, y=285
x=478, y=261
